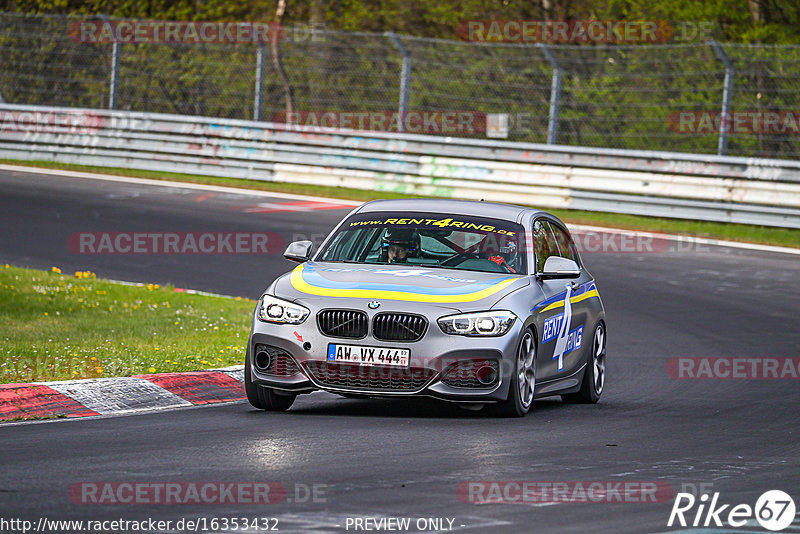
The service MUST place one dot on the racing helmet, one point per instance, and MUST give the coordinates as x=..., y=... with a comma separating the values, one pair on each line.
x=508, y=254
x=401, y=237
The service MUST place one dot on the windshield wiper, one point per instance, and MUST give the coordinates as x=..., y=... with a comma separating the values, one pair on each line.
x=435, y=266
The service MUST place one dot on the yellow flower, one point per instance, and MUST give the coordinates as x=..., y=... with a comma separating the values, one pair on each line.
x=152, y=369
x=99, y=370
x=46, y=313
x=55, y=269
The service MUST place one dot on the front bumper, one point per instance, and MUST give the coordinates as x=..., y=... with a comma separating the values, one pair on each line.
x=440, y=365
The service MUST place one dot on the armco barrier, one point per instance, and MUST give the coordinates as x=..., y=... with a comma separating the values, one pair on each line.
x=689, y=186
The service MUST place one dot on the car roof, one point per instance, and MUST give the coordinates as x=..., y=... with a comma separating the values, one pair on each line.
x=493, y=210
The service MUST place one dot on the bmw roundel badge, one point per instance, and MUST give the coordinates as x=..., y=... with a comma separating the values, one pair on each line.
x=374, y=305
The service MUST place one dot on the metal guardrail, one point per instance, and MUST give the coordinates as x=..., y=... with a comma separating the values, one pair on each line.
x=686, y=94
x=688, y=186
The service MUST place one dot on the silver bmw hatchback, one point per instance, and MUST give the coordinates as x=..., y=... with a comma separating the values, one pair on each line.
x=488, y=305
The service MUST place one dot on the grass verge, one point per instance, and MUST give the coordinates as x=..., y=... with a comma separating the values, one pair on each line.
x=56, y=326
x=725, y=231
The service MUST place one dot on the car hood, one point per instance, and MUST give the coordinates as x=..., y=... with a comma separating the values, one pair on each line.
x=315, y=282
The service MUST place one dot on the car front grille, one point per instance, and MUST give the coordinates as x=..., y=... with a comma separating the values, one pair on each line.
x=472, y=374
x=399, y=326
x=343, y=323
x=369, y=378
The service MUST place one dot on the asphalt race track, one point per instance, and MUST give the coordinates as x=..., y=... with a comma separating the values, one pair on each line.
x=380, y=459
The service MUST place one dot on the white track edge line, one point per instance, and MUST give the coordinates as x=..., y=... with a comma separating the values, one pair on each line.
x=168, y=183
x=240, y=191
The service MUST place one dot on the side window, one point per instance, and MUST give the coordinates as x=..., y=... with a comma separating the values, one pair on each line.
x=565, y=244
x=346, y=244
x=544, y=244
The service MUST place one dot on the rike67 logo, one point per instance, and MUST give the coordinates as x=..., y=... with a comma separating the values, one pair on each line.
x=774, y=510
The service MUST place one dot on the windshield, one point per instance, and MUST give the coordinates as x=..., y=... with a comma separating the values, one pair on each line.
x=430, y=240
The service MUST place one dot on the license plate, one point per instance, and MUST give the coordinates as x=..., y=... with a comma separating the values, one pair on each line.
x=368, y=355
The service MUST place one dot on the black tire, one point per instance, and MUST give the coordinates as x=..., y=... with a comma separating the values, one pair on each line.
x=520, y=399
x=262, y=397
x=593, y=384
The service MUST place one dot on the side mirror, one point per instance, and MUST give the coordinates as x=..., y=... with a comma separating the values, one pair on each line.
x=298, y=251
x=556, y=267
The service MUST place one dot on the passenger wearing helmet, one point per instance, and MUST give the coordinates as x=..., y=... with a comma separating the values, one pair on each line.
x=507, y=257
x=398, y=244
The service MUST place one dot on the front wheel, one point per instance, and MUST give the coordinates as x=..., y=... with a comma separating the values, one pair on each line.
x=523, y=380
x=262, y=397
x=594, y=378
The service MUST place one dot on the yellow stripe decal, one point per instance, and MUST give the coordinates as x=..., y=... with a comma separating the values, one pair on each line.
x=560, y=303
x=301, y=285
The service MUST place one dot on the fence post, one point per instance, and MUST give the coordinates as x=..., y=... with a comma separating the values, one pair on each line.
x=405, y=79
x=727, y=94
x=114, y=82
x=261, y=70
x=555, y=94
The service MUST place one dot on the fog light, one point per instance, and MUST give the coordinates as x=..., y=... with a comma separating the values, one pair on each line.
x=262, y=358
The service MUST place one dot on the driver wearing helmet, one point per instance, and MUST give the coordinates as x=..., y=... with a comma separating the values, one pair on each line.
x=398, y=244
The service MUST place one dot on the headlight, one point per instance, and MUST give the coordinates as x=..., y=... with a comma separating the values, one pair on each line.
x=489, y=323
x=275, y=310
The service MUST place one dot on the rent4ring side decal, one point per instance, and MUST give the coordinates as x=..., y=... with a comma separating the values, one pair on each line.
x=557, y=326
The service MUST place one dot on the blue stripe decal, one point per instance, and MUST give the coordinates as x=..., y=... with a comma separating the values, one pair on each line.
x=588, y=286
